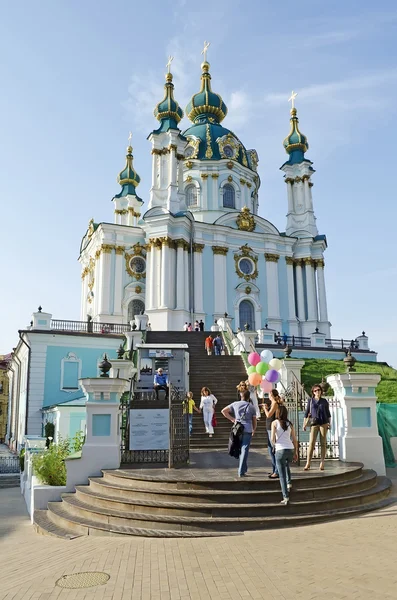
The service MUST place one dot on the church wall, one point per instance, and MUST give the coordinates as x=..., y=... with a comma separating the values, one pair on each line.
x=112, y=281
x=262, y=284
x=209, y=285
x=283, y=294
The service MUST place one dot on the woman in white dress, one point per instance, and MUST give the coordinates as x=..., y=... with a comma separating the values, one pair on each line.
x=207, y=405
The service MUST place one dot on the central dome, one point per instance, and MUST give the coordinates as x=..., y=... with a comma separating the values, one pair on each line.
x=206, y=102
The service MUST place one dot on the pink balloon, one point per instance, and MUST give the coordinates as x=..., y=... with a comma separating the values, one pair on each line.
x=272, y=376
x=266, y=386
x=254, y=359
x=255, y=379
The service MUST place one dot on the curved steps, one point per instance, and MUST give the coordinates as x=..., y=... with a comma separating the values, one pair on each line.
x=177, y=504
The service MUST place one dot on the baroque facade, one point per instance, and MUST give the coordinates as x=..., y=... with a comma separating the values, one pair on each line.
x=199, y=248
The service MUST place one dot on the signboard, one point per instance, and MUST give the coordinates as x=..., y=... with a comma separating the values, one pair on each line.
x=149, y=429
x=161, y=353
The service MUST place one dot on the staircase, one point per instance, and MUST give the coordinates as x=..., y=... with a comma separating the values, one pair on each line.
x=220, y=374
x=211, y=501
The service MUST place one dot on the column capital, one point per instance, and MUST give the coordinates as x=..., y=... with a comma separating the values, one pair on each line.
x=107, y=248
x=289, y=180
x=204, y=175
x=182, y=244
x=220, y=250
x=214, y=175
x=121, y=211
x=120, y=250
x=271, y=257
x=320, y=263
x=289, y=260
x=198, y=247
x=308, y=261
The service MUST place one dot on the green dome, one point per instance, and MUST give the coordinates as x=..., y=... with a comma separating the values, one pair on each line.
x=295, y=143
x=168, y=111
x=128, y=178
x=206, y=102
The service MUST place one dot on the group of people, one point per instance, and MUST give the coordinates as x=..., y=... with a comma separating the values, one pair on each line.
x=214, y=343
x=282, y=439
x=198, y=326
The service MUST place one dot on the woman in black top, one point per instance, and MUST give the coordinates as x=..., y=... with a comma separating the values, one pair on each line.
x=318, y=409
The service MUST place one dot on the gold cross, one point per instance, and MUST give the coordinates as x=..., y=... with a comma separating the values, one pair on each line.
x=168, y=65
x=292, y=98
x=129, y=138
x=204, y=51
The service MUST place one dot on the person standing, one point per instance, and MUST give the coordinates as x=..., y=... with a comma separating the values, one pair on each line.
x=208, y=344
x=218, y=345
x=189, y=327
x=317, y=410
x=269, y=408
x=254, y=398
x=196, y=326
x=243, y=412
x=286, y=447
x=207, y=405
x=189, y=407
x=160, y=383
x=201, y=325
x=185, y=327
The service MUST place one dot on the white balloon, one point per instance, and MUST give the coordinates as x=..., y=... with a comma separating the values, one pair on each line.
x=266, y=356
x=275, y=364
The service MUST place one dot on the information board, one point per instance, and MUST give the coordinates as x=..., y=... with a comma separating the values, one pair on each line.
x=149, y=429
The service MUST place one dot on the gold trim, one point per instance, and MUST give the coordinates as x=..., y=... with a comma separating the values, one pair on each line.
x=246, y=252
x=271, y=257
x=194, y=142
x=245, y=221
x=120, y=250
x=130, y=271
x=138, y=289
x=107, y=248
x=189, y=178
x=230, y=165
x=220, y=250
x=228, y=140
x=249, y=185
x=215, y=175
x=121, y=211
x=248, y=289
x=208, y=152
x=230, y=179
x=198, y=247
x=242, y=181
x=181, y=243
x=97, y=253
x=320, y=263
x=289, y=260
x=189, y=164
x=289, y=180
x=204, y=175
x=308, y=261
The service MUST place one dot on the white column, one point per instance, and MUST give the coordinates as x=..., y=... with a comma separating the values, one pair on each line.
x=299, y=291
x=289, y=182
x=180, y=272
x=118, y=280
x=198, y=278
x=84, y=294
x=311, y=290
x=186, y=268
x=220, y=280
x=273, y=300
x=204, y=191
x=165, y=273
x=157, y=275
x=308, y=195
x=172, y=279
x=322, y=296
x=290, y=287
x=215, y=190
x=104, y=291
x=149, y=276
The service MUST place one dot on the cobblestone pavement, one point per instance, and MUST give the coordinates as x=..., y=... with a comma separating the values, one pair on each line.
x=347, y=559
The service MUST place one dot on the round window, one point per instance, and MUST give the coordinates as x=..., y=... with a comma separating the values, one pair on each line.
x=138, y=264
x=228, y=151
x=246, y=266
x=189, y=151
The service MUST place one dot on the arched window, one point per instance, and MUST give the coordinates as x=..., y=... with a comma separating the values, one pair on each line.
x=229, y=196
x=135, y=307
x=246, y=314
x=191, y=195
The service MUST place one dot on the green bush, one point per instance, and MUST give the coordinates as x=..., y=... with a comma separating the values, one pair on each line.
x=78, y=441
x=49, y=432
x=22, y=459
x=49, y=466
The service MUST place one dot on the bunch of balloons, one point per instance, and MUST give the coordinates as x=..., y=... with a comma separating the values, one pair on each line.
x=264, y=370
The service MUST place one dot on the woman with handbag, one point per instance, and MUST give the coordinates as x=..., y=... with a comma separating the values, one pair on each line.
x=207, y=405
x=318, y=418
x=243, y=413
x=286, y=447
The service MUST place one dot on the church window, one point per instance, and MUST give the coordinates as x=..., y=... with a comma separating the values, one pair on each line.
x=70, y=372
x=228, y=151
x=135, y=307
x=191, y=195
x=246, y=266
x=138, y=264
x=246, y=314
x=229, y=196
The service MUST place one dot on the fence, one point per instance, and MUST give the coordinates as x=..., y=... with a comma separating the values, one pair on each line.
x=90, y=327
x=9, y=464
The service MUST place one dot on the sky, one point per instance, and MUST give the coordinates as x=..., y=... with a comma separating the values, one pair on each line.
x=76, y=77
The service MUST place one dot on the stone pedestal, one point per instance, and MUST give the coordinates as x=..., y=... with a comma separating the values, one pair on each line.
x=291, y=368
x=358, y=432
x=247, y=341
x=123, y=369
x=317, y=339
x=41, y=320
x=133, y=338
x=141, y=322
x=101, y=449
x=267, y=336
x=362, y=341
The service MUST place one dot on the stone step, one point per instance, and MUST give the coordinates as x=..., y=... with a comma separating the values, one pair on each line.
x=266, y=503
x=270, y=490
x=217, y=481
x=44, y=526
x=277, y=514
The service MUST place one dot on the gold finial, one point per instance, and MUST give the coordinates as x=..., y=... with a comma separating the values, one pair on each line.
x=292, y=99
x=168, y=65
x=204, y=50
x=129, y=148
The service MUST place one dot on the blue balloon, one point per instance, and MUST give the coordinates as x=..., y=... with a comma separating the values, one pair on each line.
x=266, y=356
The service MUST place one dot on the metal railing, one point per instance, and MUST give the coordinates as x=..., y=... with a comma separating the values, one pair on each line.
x=9, y=464
x=90, y=327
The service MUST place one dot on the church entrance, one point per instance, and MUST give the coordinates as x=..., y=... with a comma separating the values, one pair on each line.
x=135, y=307
x=246, y=314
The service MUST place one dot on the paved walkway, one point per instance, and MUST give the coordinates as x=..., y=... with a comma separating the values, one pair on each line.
x=347, y=559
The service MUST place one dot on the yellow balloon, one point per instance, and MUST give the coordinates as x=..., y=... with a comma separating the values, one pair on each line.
x=275, y=364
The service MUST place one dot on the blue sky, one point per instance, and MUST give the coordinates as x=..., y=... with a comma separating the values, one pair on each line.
x=77, y=76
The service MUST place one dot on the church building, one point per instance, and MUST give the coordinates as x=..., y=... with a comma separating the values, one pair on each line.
x=197, y=248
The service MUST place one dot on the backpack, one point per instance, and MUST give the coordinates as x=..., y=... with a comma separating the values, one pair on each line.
x=236, y=436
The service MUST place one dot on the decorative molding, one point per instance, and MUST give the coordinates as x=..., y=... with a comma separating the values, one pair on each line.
x=308, y=261
x=271, y=257
x=223, y=250
x=248, y=289
x=138, y=289
x=230, y=141
x=320, y=263
x=189, y=164
x=289, y=180
x=249, y=185
x=230, y=179
x=246, y=252
x=138, y=248
x=204, y=175
x=121, y=211
x=230, y=165
x=133, y=212
x=289, y=260
x=198, y=247
x=189, y=179
x=97, y=253
x=242, y=181
x=245, y=221
x=130, y=271
x=107, y=248
x=182, y=244
x=120, y=250
x=208, y=152
x=214, y=175
x=194, y=143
